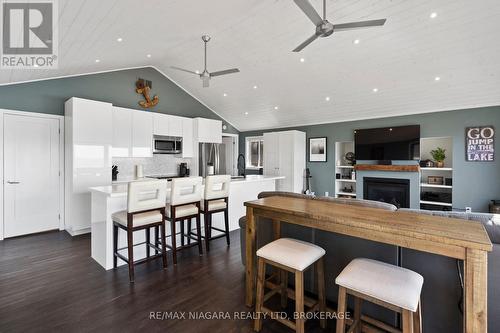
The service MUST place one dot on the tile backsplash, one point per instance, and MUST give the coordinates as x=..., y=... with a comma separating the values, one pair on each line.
x=159, y=164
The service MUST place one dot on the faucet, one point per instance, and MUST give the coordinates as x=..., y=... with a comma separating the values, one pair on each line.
x=241, y=165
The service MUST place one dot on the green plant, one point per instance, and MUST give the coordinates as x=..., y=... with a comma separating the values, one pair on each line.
x=438, y=154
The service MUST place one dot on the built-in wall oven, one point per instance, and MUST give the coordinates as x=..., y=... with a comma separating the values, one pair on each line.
x=167, y=144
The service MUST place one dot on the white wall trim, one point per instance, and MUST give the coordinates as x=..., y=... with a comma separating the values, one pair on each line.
x=118, y=70
x=4, y=112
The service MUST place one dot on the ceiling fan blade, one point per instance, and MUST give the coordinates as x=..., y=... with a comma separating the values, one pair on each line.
x=184, y=70
x=224, y=72
x=309, y=10
x=305, y=43
x=206, y=81
x=356, y=25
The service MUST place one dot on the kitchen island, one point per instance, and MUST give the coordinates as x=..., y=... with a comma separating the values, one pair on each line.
x=109, y=199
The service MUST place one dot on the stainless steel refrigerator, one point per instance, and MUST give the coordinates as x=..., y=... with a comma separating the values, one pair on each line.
x=213, y=159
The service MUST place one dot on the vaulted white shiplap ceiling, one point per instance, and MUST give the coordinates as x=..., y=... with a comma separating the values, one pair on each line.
x=402, y=59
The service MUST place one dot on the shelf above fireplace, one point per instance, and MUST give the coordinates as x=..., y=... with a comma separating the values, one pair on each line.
x=397, y=168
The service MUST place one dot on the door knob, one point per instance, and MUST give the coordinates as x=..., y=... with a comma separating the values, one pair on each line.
x=12, y=182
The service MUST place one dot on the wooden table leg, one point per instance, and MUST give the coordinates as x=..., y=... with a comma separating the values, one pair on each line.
x=476, y=277
x=277, y=235
x=250, y=258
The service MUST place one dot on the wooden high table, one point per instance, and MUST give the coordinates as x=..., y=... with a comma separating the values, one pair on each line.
x=455, y=238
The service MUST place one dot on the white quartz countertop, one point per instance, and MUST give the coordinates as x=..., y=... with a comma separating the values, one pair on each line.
x=120, y=189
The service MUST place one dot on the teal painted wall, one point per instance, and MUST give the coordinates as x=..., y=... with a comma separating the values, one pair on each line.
x=116, y=87
x=474, y=183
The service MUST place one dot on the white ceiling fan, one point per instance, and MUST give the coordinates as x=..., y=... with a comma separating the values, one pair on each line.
x=325, y=28
x=206, y=75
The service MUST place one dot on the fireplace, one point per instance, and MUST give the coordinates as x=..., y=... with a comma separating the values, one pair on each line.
x=390, y=190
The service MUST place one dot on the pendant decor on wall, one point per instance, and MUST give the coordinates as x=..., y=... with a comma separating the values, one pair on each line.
x=317, y=150
x=144, y=87
x=480, y=144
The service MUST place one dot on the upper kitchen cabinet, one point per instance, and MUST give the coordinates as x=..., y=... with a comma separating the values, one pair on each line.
x=187, y=138
x=88, y=139
x=142, y=134
x=132, y=133
x=122, y=132
x=167, y=125
x=208, y=130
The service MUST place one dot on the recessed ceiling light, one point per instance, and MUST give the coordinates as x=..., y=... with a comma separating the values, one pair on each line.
x=302, y=59
x=97, y=60
x=356, y=41
x=224, y=94
x=437, y=78
x=375, y=89
x=327, y=98
x=255, y=87
x=246, y=113
x=148, y=55
x=119, y=39
x=276, y=108
x=433, y=15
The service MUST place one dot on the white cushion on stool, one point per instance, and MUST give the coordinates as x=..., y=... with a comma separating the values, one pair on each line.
x=138, y=219
x=392, y=284
x=291, y=253
x=214, y=205
x=181, y=211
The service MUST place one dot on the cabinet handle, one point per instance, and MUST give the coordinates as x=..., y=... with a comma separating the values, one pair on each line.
x=12, y=182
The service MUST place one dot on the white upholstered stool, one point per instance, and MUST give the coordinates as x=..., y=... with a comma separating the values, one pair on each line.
x=145, y=210
x=390, y=286
x=295, y=256
x=183, y=204
x=216, y=200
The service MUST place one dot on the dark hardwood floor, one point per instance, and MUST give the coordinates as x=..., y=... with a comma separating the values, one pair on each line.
x=48, y=282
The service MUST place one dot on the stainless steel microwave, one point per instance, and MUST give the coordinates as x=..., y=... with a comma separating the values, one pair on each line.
x=167, y=144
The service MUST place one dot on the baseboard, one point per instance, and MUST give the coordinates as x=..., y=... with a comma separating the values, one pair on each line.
x=78, y=231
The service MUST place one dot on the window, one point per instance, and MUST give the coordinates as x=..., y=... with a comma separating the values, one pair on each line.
x=254, y=152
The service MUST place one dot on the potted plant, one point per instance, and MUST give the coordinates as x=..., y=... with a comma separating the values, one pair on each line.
x=439, y=155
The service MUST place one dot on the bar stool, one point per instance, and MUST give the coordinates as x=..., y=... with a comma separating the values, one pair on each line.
x=184, y=204
x=292, y=256
x=145, y=210
x=215, y=200
x=392, y=287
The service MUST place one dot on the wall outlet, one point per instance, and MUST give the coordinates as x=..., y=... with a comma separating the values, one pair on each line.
x=327, y=194
x=468, y=209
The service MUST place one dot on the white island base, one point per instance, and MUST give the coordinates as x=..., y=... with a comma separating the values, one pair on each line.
x=109, y=199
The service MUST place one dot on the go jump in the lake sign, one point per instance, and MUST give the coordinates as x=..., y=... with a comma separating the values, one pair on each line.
x=480, y=143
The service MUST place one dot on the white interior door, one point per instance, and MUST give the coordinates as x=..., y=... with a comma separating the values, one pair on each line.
x=31, y=175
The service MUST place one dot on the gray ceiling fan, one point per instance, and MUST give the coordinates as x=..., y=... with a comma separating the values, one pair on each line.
x=325, y=28
x=206, y=75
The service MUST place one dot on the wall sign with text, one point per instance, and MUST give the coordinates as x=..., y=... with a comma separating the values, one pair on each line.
x=480, y=144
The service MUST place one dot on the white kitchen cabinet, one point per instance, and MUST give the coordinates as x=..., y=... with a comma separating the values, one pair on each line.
x=88, y=139
x=142, y=134
x=132, y=133
x=187, y=138
x=285, y=155
x=174, y=125
x=208, y=130
x=122, y=132
x=271, y=154
x=167, y=125
x=160, y=124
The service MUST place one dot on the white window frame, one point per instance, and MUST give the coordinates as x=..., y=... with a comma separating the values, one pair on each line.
x=248, y=140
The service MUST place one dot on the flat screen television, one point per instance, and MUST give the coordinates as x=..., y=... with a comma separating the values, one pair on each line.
x=388, y=143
